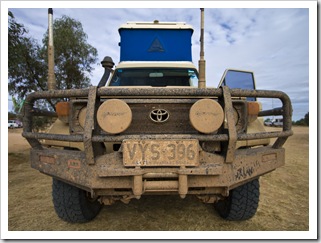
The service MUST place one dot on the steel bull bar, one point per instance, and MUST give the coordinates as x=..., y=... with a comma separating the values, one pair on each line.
x=76, y=159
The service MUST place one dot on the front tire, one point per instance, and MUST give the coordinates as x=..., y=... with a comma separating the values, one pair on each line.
x=73, y=204
x=242, y=202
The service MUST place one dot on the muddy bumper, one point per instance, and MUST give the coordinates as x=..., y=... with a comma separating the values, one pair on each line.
x=183, y=168
x=109, y=176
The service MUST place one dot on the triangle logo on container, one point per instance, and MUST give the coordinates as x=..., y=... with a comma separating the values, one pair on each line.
x=156, y=46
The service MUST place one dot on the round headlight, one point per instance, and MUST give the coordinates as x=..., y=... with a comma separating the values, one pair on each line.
x=206, y=116
x=114, y=116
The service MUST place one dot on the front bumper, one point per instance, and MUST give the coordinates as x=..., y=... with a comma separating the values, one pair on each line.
x=105, y=175
x=109, y=177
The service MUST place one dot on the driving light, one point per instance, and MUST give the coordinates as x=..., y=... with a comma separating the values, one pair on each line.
x=206, y=116
x=114, y=116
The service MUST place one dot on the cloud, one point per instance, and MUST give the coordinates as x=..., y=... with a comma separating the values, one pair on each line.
x=272, y=42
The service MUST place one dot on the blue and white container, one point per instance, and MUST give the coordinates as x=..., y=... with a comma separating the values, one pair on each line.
x=155, y=41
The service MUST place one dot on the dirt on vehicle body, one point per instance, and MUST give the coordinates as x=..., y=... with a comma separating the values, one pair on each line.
x=151, y=132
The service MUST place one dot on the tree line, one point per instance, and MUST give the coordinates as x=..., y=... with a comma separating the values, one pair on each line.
x=302, y=122
x=28, y=59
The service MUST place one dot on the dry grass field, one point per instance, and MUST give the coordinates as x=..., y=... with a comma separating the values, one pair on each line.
x=284, y=200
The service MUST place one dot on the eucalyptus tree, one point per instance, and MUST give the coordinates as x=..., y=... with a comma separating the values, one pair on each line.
x=74, y=56
x=27, y=65
x=26, y=68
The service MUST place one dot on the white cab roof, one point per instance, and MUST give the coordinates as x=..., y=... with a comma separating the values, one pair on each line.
x=129, y=64
x=156, y=25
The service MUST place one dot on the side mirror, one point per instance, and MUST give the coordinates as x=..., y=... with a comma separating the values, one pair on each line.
x=236, y=79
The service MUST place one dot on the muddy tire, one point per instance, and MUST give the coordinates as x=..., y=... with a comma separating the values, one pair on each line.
x=72, y=204
x=242, y=202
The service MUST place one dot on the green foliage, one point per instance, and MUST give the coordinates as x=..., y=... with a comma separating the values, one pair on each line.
x=306, y=119
x=26, y=70
x=267, y=120
x=41, y=123
x=73, y=55
x=302, y=122
x=28, y=60
x=17, y=104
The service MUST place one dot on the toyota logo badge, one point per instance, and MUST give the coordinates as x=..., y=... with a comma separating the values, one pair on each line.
x=159, y=115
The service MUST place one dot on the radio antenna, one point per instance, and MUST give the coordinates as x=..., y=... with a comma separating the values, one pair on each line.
x=51, y=59
x=201, y=62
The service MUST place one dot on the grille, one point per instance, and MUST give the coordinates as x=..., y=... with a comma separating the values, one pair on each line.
x=173, y=116
x=144, y=120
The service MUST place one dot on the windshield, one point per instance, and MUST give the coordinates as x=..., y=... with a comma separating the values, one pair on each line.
x=154, y=77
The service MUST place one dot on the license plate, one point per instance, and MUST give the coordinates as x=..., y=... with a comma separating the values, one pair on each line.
x=160, y=152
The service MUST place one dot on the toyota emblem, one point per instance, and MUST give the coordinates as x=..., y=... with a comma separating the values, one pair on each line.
x=159, y=115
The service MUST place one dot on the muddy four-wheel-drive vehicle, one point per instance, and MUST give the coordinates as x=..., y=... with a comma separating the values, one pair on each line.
x=147, y=130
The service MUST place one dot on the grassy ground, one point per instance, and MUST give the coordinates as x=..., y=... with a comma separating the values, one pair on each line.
x=284, y=201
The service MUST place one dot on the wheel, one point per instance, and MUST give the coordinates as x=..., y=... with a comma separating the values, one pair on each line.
x=242, y=202
x=73, y=204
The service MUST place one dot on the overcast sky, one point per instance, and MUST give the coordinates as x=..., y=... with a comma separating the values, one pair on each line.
x=272, y=42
